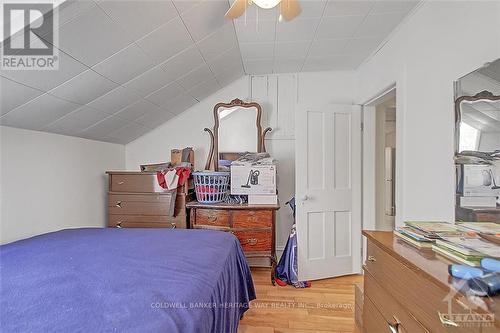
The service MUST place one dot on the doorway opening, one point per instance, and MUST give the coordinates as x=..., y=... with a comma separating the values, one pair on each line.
x=385, y=164
x=379, y=161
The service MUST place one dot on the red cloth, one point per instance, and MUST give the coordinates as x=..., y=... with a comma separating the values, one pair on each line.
x=183, y=174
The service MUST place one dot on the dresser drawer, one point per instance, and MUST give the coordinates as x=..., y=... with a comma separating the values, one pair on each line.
x=373, y=321
x=146, y=221
x=140, y=208
x=255, y=241
x=390, y=309
x=425, y=299
x=212, y=218
x=244, y=219
x=137, y=182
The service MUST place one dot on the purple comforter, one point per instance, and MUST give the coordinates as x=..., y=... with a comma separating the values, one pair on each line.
x=124, y=280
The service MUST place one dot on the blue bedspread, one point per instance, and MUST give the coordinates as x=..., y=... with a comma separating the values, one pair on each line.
x=124, y=280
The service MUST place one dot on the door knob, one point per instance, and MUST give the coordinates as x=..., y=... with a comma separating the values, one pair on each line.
x=305, y=197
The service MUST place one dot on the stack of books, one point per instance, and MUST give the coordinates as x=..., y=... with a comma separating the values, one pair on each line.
x=459, y=242
x=467, y=250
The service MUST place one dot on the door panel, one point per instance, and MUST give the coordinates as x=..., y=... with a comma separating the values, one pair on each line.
x=328, y=179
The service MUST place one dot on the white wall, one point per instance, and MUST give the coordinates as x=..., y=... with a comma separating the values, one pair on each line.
x=279, y=96
x=437, y=45
x=51, y=182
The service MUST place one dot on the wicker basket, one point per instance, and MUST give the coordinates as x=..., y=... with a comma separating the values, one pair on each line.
x=211, y=187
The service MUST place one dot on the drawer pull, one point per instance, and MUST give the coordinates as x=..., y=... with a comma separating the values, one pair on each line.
x=252, y=241
x=173, y=225
x=446, y=322
x=119, y=204
x=371, y=258
x=394, y=327
x=212, y=218
x=121, y=183
x=119, y=224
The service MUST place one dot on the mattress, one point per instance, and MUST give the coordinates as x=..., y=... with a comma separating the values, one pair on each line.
x=124, y=280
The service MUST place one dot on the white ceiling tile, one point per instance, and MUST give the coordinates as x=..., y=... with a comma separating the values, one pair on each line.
x=338, y=27
x=216, y=43
x=70, y=9
x=229, y=59
x=139, y=17
x=155, y=118
x=13, y=94
x=38, y=113
x=257, y=50
x=150, y=81
x=296, y=30
x=326, y=47
x=83, y=88
x=204, y=89
x=230, y=75
x=379, y=24
x=180, y=103
x=102, y=129
x=183, y=5
x=191, y=79
x=128, y=133
x=182, y=63
x=259, y=66
x=362, y=45
x=76, y=121
x=92, y=37
x=292, y=49
x=48, y=79
x=125, y=65
x=312, y=8
x=255, y=31
x=204, y=18
x=166, y=41
x=165, y=94
x=340, y=62
x=393, y=6
x=115, y=100
x=348, y=8
x=136, y=110
x=285, y=65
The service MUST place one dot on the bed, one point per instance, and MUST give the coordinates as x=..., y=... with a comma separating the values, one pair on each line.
x=124, y=280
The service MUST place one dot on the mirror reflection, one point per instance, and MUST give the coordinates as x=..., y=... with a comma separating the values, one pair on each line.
x=477, y=145
x=237, y=129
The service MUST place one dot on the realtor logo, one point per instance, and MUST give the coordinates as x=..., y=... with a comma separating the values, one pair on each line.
x=29, y=35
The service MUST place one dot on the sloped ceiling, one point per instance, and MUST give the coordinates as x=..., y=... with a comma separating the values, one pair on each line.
x=125, y=67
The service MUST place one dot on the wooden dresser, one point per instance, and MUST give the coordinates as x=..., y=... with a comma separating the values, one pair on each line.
x=253, y=225
x=135, y=200
x=409, y=290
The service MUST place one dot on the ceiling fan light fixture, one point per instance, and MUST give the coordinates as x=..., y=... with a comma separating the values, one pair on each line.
x=266, y=4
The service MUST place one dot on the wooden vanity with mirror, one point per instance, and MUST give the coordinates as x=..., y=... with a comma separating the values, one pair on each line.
x=237, y=129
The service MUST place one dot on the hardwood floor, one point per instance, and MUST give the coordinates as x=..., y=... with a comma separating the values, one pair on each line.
x=328, y=306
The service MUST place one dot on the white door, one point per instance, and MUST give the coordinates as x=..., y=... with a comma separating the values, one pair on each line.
x=328, y=190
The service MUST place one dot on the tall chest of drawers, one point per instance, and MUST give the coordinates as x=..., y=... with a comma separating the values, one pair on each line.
x=409, y=290
x=253, y=225
x=135, y=200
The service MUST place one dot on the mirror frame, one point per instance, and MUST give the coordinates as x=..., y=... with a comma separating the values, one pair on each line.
x=213, y=155
x=483, y=95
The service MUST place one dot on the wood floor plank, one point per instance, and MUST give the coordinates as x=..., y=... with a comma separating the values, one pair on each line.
x=328, y=306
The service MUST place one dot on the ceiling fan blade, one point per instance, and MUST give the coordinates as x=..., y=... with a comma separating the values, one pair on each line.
x=237, y=9
x=290, y=9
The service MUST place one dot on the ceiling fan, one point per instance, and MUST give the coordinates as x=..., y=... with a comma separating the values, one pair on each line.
x=289, y=9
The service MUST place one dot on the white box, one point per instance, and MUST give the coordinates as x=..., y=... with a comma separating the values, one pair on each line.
x=262, y=199
x=490, y=202
x=253, y=179
x=477, y=181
